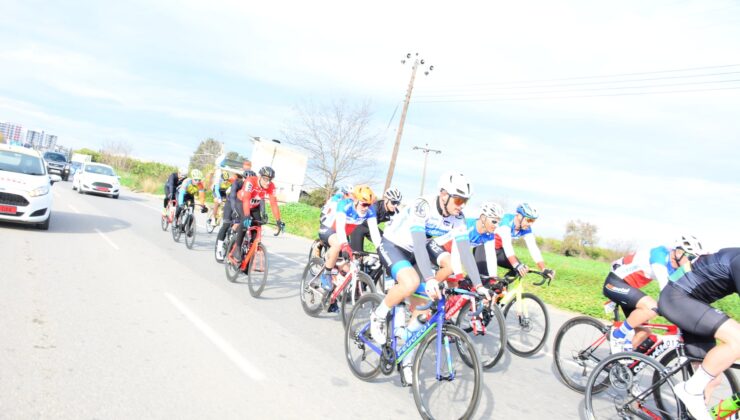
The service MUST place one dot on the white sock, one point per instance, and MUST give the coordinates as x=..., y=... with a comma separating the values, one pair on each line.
x=382, y=309
x=697, y=383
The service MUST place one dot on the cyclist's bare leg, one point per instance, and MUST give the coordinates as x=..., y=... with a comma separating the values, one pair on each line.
x=643, y=313
x=332, y=254
x=407, y=280
x=724, y=354
x=445, y=268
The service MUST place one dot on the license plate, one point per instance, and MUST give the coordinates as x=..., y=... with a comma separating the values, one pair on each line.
x=7, y=209
x=101, y=189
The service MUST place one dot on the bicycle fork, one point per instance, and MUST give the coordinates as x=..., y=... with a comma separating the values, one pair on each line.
x=443, y=342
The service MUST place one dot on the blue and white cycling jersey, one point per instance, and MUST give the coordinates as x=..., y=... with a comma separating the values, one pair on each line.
x=346, y=218
x=641, y=267
x=486, y=239
x=506, y=231
x=424, y=215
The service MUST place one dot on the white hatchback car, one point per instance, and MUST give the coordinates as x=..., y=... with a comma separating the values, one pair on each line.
x=97, y=178
x=25, y=187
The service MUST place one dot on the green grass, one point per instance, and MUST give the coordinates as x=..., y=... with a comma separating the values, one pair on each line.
x=577, y=285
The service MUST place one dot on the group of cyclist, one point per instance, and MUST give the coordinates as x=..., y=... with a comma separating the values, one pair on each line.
x=433, y=236
x=690, y=279
x=431, y=232
x=242, y=192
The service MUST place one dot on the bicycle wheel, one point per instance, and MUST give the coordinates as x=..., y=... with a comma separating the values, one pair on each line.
x=210, y=227
x=490, y=341
x=580, y=344
x=177, y=231
x=728, y=383
x=526, y=326
x=363, y=285
x=232, y=271
x=312, y=295
x=164, y=222
x=190, y=231
x=629, y=391
x=455, y=393
x=363, y=361
x=257, y=271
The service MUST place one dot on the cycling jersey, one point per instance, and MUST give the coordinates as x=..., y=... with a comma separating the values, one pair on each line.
x=251, y=195
x=190, y=187
x=346, y=218
x=639, y=268
x=424, y=215
x=506, y=231
x=712, y=276
x=448, y=243
x=330, y=206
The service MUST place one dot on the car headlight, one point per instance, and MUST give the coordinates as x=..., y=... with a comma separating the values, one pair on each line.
x=39, y=191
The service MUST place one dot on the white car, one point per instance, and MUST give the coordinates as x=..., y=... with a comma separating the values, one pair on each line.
x=97, y=178
x=25, y=187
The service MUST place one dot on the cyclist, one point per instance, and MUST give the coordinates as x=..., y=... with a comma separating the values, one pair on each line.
x=336, y=226
x=480, y=234
x=404, y=244
x=517, y=225
x=170, y=187
x=634, y=271
x=384, y=209
x=219, y=184
x=685, y=302
x=233, y=209
x=187, y=190
x=252, y=195
x=343, y=193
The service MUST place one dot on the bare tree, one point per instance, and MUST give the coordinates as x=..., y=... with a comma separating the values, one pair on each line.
x=578, y=237
x=338, y=140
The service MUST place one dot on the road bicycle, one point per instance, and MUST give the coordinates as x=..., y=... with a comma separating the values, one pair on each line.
x=169, y=216
x=254, y=258
x=582, y=342
x=483, y=321
x=631, y=385
x=219, y=218
x=525, y=315
x=228, y=238
x=349, y=285
x=186, y=224
x=446, y=371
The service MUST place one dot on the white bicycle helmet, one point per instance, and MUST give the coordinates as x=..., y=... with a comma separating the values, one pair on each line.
x=689, y=244
x=492, y=210
x=455, y=183
x=393, y=194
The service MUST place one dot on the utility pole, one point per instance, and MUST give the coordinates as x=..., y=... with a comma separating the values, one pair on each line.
x=417, y=61
x=426, y=151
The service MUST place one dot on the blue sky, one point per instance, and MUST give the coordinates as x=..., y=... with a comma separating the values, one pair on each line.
x=644, y=168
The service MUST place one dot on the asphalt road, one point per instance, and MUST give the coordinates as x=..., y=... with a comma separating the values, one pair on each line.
x=105, y=316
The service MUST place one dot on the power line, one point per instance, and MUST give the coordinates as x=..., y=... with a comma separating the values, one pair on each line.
x=433, y=91
x=575, y=96
x=602, y=76
x=582, y=90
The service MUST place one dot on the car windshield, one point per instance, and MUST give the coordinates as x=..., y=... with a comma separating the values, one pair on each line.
x=56, y=157
x=100, y=170
x=20, y=163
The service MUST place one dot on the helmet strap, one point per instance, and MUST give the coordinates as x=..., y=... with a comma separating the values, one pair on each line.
x=443, y=210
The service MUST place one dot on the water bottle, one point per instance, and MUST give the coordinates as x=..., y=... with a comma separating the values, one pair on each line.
x=726, y=407
x=399, y=322
x=647, y=344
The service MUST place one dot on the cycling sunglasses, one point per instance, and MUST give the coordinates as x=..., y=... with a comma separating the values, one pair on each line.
x=458, y=200
x=395, y=203
x=266, y=177
x=530, y=220
x=366, y=205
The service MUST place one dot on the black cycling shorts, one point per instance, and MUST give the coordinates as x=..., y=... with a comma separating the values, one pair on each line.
x=688, y=313
x=435, y=251
x=621, y=293
x=324, y=233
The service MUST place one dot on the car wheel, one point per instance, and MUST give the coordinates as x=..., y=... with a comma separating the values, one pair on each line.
x=73, y=187
x=45, y=224
x=116, y=196
x=79, y=189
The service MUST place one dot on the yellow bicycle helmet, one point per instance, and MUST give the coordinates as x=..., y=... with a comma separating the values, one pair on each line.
x=196, y=175
x=364, y=194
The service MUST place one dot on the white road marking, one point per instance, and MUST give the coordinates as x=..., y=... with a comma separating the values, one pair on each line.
x=231, y=353
x=158, y=210
x=73, y=208
x=107, y=239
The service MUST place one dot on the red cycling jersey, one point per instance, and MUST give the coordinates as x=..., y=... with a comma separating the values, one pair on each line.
x=252, y=194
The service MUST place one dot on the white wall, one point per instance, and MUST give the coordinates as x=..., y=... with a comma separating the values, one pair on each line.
x=289, y=165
